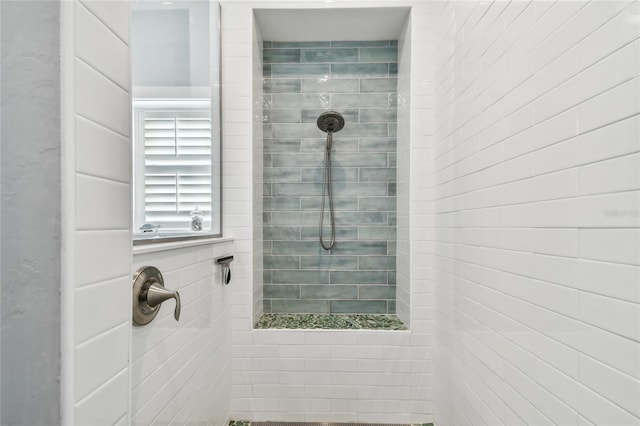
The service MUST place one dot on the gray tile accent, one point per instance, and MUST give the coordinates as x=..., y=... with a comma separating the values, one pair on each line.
x=282, y=115
x=311, y=116
x=275, y=56
x=282, y=262
x=377, y=115
x=382, y=292
x=339, y=203
x=281, y=276
x=377, y=233
x=341, y=189
x=359, y=70
x=297, y=100
x=377, y=263
x=302, y=80
x=377, y=174
x=281, y=145
x=359, y=248
x=362, y=100
x=329, y=292
x=355, y=277
x=342, y=233
x=282, y=203
x=342, y=174
x=281, y=85
x=280, y=291
x=300, y=70
x=284, y=233
x=277, y=174
x=295, y=218
x=360, y=218
x=295, y=159
x=303, y=130
x=329, y=55
x=376, y=204
x=297, y=189
x=384, y=144
x=304, y=248
x=329, y=262
x=340, y=159
x=364, y=130
x=319, y=145
x=385, y=85
x=323, y=85
x=379, y=54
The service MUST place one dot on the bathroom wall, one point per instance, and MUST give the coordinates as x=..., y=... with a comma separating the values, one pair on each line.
x=303, y=79
x=181, y=370
x=317, y=375
x=96, y=206
x=536, y=197
x=30, y=210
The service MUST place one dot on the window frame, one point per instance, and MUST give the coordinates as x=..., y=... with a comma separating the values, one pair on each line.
x=139, y=107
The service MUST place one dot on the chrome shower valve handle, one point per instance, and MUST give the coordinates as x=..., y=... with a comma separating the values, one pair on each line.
x=156, y=295
x=148, y=295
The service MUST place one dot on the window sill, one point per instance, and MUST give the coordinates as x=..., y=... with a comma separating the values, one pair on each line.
x=159, y=242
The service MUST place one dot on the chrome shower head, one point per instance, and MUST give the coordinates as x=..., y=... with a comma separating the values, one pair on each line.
x=330, y=121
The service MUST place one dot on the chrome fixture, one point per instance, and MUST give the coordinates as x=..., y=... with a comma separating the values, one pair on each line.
x=330, y=122
x=225, y=264
x=148, y=295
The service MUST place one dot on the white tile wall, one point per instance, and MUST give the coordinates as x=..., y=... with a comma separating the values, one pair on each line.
x=96, y=206
x=296, y=375
x=181, y=371
x=536, y=199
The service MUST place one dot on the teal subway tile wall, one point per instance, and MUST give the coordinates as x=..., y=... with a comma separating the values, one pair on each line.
x=302, y=80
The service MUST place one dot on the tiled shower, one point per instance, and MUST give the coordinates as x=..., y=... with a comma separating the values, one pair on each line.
x=517, y=233
x=301, y=80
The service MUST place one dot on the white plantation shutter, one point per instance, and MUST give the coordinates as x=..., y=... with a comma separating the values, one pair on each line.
x=176, y=159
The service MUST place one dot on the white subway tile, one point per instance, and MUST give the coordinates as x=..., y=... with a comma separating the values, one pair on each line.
x=620, y=102
x=618, y=174
x=99, y=307
x=611, y=245
x=97, y=45
x=106, y=405
x=102, y=204
x=608, y=279
x=101, y=256
x=100, y=100
x=618, y=316
x=611, y=384
x=100, y=359
x=101, y=152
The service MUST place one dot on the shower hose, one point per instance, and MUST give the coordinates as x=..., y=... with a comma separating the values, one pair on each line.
x=326, y=185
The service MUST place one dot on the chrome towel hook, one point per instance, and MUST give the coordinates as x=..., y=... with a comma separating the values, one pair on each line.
x=225, y=263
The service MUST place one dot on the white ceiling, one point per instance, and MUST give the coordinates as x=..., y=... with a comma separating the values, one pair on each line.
x=381, y=23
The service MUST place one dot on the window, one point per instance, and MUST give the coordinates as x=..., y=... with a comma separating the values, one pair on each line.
x=175, y=90
x=173, y=158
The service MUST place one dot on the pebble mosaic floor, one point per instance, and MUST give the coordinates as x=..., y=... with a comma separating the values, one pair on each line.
x=248, y=423
x=330, y=321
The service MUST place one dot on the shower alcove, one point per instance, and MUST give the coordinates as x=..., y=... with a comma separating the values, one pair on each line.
x=355, y=61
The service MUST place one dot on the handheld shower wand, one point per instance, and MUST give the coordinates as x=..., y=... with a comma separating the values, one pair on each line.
x=329, y=122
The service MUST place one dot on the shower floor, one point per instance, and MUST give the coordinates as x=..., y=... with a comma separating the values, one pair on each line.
x=248, y=423
x=331, y=321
